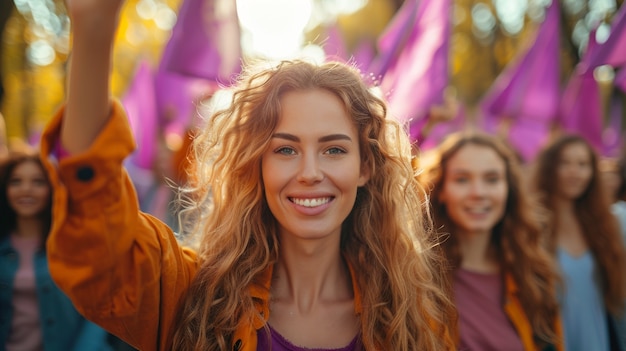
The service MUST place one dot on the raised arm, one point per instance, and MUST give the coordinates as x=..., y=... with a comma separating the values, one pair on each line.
x=94, y=23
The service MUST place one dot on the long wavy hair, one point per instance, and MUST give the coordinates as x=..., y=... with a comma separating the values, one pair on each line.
x=620, y=193
x=600, y=228
x=386, y=237
x=516, y=237
x=8, y=216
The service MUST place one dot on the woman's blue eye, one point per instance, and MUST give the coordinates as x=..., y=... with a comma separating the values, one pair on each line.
x=285, y=150
x=335, y=151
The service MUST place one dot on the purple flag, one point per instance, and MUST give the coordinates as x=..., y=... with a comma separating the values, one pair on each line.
x=620, y=79
x=612, y=136
x=419, y=76
x=177, y=98
x=334, y=46
x=363, y=56
x=393, y=39
x=580, y=110
x=526, y=94
x=140, y=104
x=613, y=50
x=442, y=129
x=205, y=41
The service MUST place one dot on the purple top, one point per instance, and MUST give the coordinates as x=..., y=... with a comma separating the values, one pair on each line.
x=279, y=343
x=483, y=324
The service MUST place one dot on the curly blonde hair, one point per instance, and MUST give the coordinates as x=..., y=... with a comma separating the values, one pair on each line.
x=517, y=238
x=385, y=237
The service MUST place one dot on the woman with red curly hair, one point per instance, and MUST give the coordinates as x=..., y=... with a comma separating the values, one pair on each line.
x=502, y=278
x=303, y=224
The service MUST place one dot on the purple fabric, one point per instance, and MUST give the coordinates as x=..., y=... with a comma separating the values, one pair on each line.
x=620, y=79
x=279, y=343
x=363, y=56
x=177, y=98
x=613, y=50
x=140, y=105
x=205, y=41
x=527, y=136
x=528, y=89
x=334, y=45
x=612, y=136
x=393, y=39
x=417, y=79
x=581, y=108
x=441, y=130
x=483, y=324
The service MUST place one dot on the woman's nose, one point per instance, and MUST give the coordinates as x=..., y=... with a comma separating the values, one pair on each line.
x=310, y=170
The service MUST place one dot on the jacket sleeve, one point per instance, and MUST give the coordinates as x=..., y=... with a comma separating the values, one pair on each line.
x=122, y=269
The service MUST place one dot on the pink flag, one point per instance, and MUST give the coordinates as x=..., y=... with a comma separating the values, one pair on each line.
x=140, y=104
x=419, y=76
x=205, y=41
x=613, y=50
x=527, y=93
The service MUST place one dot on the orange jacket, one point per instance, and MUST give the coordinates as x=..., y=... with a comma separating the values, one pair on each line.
x=124, y=269
x=515, y=311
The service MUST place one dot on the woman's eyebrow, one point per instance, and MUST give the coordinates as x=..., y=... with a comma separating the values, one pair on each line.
x=326, y=138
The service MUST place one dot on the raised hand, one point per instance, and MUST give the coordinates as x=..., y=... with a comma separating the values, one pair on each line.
x=93, y=24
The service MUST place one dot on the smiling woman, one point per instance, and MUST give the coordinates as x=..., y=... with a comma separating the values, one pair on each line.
x=303, y=217
x=35, y=314
x=585, y=239
x=503, y=280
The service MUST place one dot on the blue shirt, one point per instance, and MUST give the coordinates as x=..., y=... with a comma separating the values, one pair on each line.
x=585, y=323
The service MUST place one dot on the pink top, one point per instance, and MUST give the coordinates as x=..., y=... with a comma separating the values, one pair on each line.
x=25, y=332
x=483, y=324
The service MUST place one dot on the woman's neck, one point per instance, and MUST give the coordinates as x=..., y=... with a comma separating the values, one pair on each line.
x=28, y=227
x=564, y=207
x=306, y=275
x=477, y=252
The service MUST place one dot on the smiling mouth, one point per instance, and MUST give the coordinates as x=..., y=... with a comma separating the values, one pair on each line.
x=310, y=202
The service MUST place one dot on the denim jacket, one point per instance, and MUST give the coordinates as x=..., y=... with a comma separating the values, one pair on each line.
x=62, y=327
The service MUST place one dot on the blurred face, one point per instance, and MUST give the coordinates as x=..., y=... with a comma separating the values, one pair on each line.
x=574, y=171
x=28, y=191
x=475, y=189
x=312, y=168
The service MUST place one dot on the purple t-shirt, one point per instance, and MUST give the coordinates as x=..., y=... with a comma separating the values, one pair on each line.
x=483, y=324
x=279, y=343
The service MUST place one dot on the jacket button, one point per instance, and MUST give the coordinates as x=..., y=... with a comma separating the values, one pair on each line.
x=85, y=173
x=237, y=345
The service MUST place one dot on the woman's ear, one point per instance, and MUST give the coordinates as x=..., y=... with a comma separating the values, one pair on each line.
x=365, y=175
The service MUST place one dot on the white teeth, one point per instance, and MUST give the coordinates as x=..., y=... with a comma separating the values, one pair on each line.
x=311, y=202
x=478, y=210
